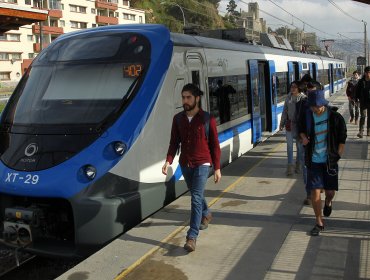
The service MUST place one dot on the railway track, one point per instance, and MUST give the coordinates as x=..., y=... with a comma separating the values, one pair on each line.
x=22, y=265
x=11, y=259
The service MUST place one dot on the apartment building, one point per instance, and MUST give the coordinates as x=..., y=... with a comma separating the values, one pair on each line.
x=19, y=47
x=251, y=21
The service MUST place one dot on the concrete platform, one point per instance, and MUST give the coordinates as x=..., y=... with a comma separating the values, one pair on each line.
x=260, y=228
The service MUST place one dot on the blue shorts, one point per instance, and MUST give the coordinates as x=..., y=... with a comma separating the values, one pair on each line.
x=319, y=176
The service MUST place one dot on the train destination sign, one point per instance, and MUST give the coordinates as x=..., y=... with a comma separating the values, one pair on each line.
x=132, y=70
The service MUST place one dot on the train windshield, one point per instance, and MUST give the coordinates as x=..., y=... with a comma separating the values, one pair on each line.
x=80, y=81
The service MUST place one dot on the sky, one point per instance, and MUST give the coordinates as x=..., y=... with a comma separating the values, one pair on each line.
x=325, y=19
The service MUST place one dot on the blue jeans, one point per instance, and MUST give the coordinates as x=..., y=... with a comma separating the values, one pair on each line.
x=299, y=157
x=289, y=148
x=196, y=179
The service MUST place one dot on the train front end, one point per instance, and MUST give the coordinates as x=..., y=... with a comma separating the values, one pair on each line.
x=74, y=115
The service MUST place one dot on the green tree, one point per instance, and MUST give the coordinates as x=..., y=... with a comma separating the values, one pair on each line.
x=283, y=31
x=231, y=7
x=232, y=14
x=202, y=14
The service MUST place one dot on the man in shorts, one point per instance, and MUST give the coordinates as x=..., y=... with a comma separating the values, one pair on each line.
x=323, y=132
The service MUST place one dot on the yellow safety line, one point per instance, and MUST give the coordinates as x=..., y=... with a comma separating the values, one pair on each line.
x=125, y=272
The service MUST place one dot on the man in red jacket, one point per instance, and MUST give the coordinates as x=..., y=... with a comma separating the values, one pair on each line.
x=200, y=149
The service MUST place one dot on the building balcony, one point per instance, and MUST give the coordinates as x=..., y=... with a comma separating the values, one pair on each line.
x=106, y=4
x=36, y=47
x=25, y=64
x=56, y=13
x=106, y=20
x=47, y=30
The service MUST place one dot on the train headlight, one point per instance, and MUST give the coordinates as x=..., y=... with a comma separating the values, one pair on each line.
x=90, y=171
x=24, y=235
x=119, y=148
x=10, y=234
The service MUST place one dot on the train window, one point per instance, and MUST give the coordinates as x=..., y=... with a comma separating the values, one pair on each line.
x=177, y=94
x=304, y=66
x=88, y=48
x=323, y=77
x=124, y=47
x=281, y=86
x=109, y=81
x=195, y=78
x=228, y=97
x=72, y=94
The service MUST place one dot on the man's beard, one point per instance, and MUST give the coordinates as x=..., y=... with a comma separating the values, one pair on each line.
x=189, y=107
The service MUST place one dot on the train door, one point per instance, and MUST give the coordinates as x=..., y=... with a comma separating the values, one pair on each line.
x=335, y=77
x=272, y=98
x=262, y=95
x=260, y=92
x=300, y=74
x=255, y=100
x=330, y=78
x=293, y=71
x=196, y=75
x=313, y=70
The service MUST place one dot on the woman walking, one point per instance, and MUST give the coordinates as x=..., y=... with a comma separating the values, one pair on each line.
x=289, y=122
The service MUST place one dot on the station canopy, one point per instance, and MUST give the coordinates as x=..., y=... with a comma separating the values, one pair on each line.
x=12, y=16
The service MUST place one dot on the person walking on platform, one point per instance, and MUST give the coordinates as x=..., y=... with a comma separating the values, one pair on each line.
x=196, y=131
x=289, y=122
x=351, y=94
x=323, y=132
x=305, y=80
x=308, y=84
x=363, y=96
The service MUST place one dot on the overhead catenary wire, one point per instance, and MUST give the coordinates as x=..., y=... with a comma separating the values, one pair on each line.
x=282, y=20
x=347, y=14
x=294, y=17
x=273, y=16
x=344, y=12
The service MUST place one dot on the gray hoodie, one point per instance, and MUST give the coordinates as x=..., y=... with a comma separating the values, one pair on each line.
x=289, y=111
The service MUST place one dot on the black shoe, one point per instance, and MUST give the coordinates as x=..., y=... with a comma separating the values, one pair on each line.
x=316, y=230
x=359, y=135
x=327, y=210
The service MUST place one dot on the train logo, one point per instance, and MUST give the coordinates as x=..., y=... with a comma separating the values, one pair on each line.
x=31, y=149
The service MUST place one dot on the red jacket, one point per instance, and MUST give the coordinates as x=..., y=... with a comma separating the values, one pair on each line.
x=195, y=150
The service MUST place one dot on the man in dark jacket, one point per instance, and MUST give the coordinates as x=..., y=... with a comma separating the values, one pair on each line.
x=351, y=94
x=363, y=96
x=323, y=132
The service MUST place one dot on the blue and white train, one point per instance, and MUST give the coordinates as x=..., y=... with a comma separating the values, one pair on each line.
x=85, y=133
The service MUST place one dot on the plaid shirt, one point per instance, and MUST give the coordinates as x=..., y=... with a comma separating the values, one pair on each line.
x=195, y=150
